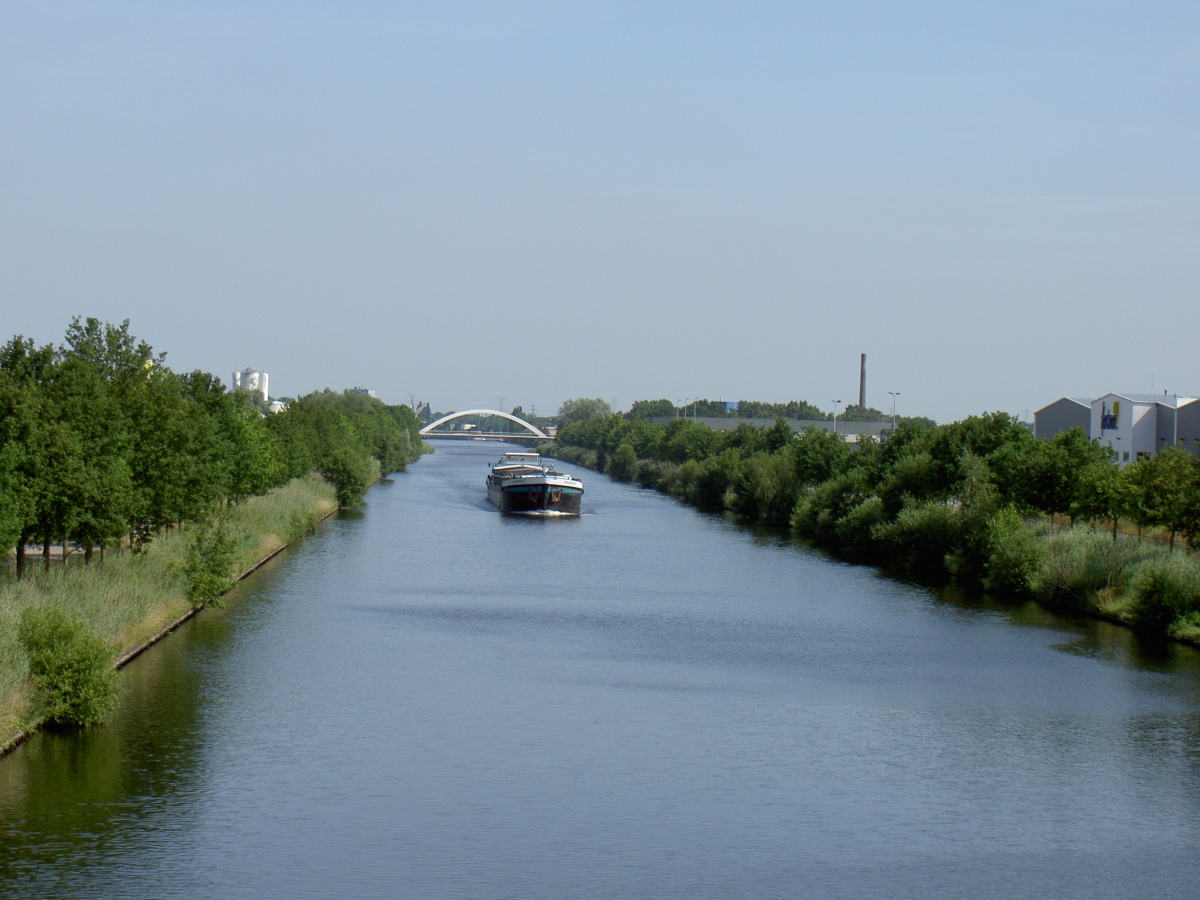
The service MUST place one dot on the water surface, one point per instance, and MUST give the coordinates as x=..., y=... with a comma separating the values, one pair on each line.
x=427, y=700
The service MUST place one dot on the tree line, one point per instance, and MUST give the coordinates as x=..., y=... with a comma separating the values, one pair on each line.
x=974, y=499
x=800, y=410
x=102, y=443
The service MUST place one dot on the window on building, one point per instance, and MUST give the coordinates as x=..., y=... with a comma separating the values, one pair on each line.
x=1142, y=454
x=1125, y=458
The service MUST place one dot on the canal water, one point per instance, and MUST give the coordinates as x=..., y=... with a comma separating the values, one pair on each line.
x=426, y=700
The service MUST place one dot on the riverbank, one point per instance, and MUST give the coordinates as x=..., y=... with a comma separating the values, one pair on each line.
x=134, y=599
x=1077, y=569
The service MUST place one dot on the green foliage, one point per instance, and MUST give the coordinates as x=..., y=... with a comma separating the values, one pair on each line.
x=932, y=500
x=648, y=409
x=100, y=440
x=349, y=473
x=209, y=562
x=623, y=464
x=582, y=409
x=1015, y=553
x=1165, y=590
x=765, y=488
x=855, y=531
x=921, y=537
x=1078, y=565
x=69, y=666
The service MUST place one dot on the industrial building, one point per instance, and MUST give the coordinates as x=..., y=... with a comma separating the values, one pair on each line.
x=251, y=382
x=1134, y=425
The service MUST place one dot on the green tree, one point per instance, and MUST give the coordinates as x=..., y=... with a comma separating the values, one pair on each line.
x=209, y=562
x=349, y=474
x=1167, y=490
x=581, y=409
x=623, y=464
x=650, y=409
x=1102, y=492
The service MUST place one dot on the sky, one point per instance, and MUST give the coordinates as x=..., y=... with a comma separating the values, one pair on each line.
x=476, y=203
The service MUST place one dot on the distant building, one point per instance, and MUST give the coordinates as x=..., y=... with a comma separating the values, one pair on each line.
x=251, y=382
x=275, y=406
x=1063, y=415
x=730, y=405
x=1134, y=425
x=362, y=390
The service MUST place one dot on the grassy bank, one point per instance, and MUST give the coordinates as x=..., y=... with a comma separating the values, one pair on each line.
x=132, y=596
x=970, y=535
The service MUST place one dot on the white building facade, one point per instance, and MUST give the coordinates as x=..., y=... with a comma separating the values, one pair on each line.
x=251, y=382
x=1133, y=425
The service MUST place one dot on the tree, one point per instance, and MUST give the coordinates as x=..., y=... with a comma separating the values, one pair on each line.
x=1102, y=492
x=582, y=409
x=650, y=409
x=349, y=474
x=1168, y=490
x=623, y=463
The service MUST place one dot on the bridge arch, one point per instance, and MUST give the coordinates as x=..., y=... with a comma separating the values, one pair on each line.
x=536, y=432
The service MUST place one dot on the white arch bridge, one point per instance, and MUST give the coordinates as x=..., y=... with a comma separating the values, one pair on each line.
x=530, y=433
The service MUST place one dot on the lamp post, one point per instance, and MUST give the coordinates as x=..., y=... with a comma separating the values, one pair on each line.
x=836, y=404
x=894, y=394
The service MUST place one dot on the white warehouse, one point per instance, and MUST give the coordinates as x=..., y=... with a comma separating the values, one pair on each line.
x=1134, y=425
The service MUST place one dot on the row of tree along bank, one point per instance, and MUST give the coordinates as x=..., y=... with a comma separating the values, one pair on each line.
x=973, y=500
x=102, y=446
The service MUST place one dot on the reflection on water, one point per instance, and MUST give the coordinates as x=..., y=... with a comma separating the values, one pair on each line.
x=429, y=700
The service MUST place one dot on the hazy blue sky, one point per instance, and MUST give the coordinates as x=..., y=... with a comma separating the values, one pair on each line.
x=544, y=200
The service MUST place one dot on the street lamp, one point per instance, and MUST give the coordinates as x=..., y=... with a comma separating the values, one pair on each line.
x=836, y=404
x=894, y=394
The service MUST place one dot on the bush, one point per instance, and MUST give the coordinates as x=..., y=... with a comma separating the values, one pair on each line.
x=652, y=473
x=1015, y=553
x=208, y=564
x=623, y=464
x=856, y=529
x=713, y=480
x=1077, y=565
x=70, y=667
x=922, y=536
x=766, y=487
x=301, y=522
x=1165, y=590
x=349, y=474
x=816, y=514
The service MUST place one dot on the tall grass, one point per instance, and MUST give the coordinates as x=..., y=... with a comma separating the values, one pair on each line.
x=1081, y=568
x=1165, y=594
x=132, y=596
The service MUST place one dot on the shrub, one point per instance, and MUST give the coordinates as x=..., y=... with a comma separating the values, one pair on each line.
x=766, y=487
x=1015, y=553
x=1165, y=590
x=301, y=522
x=623, y=464
x=713, y=480
x=816, y=514
x=1079, y=564
x=652, y=473
x=70, y=667
x=208, y=564
x=856, y=529
x=922, y=536
x=349, y=473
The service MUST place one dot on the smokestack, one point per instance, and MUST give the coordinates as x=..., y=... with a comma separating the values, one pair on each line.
x=862, y=383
